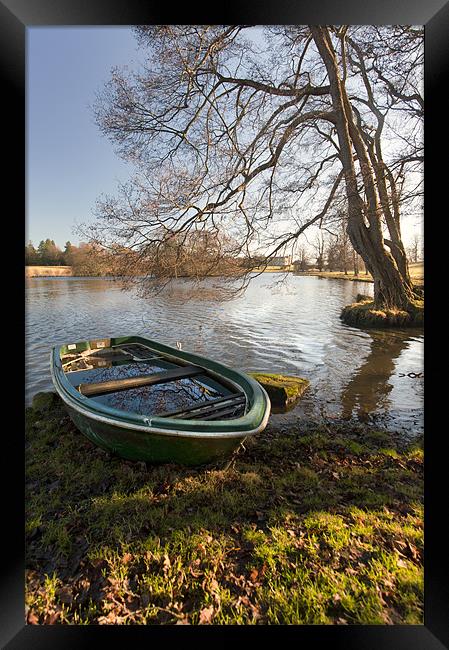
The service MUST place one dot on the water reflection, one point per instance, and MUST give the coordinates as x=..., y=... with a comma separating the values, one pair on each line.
x=106, y=365
x=370, y=387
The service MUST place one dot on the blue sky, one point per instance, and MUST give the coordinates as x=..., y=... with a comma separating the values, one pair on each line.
x=69, y=162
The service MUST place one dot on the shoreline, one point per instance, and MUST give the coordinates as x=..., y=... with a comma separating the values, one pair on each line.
x=337, y=275
x=416, y=271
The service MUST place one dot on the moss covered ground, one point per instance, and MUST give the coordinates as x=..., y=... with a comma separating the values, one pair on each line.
x=363, y=313
x=316, y=526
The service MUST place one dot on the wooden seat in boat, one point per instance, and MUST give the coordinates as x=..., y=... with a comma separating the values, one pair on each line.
x=114, y=385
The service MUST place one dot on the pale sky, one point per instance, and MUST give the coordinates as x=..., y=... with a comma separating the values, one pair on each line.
x=69, y=162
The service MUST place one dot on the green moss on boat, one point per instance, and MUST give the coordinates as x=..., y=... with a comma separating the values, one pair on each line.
x=283, y=390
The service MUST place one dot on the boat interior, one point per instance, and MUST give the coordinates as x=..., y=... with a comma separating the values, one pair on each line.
x=135, y=378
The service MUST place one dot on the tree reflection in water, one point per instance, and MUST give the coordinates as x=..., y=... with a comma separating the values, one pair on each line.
x=370, y=386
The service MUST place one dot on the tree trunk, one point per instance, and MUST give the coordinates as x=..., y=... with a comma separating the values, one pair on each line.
x=392, y=290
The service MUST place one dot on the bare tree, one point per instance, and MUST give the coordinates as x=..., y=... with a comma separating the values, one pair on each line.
x=89, y=259
x=339, y=245
x=414, y=249
x=319, y=245
x=259, y=141
x=301, y=260
x=357, y=263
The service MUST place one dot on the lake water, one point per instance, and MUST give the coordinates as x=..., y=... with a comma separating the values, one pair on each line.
x=290, y=327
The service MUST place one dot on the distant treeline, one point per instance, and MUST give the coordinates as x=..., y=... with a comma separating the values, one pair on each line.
x=200, y=254
x=48, y=254
x=84, y=259
x=195, y=255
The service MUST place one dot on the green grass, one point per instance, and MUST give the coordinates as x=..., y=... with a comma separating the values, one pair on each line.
x=323, y=527
x=416, y=271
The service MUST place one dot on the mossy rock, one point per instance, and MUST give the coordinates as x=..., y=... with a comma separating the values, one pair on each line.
x=283, y=390
x=45, y=402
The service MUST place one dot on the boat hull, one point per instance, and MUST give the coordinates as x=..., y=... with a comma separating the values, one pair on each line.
x=151, y=446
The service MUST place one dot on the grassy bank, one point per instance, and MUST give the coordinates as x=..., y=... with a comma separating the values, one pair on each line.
x=416, y=274
x=322, y=525
x=339, y=275
x=364, y=313
x=47, y=271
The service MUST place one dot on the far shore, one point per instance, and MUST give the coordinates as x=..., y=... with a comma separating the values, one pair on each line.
x=47, y=271
x=416, y=272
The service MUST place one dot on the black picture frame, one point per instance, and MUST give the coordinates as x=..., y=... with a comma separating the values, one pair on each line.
x=18, y=15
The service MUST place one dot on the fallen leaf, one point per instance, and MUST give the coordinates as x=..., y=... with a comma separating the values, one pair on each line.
x=254, y=575
x=255, y=612
x=110, y=619
x=206, y=615
x=413, y=551
x=32, y=618
x=51, y=618
x=167, y=563
x=399, y=542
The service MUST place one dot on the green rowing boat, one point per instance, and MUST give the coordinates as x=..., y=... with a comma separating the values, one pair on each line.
x=147, y=401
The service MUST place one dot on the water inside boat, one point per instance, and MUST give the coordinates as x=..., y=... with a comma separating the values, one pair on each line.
x=94, y=371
